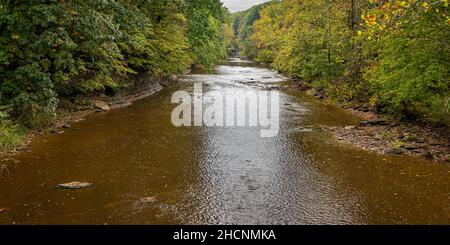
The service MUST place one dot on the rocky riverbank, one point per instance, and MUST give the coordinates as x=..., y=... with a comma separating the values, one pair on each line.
x=386, y=135
x=104, y=103
x=396, y=138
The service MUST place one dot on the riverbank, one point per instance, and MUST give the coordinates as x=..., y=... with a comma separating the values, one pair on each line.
x=386, y=135
x=69, y=113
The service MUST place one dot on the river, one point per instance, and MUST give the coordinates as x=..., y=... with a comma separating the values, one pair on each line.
x=219, y=175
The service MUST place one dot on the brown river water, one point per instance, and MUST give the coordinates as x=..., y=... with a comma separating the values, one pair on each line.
x=222, y=175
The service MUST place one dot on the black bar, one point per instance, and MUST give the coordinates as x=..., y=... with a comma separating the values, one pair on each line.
x=227, y=233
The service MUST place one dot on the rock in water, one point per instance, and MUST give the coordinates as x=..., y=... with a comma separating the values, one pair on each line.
x=102, y=105
x=74, y=185
x=3, y=210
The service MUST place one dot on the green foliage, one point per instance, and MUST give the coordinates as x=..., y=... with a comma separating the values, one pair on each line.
x=243, y=27
x=11, y=135
x=308, y=39
x=393, y=55
x=61, y=48
x=352, y=87
x=207, y=23
x=410, y=73
x=155, y=39
x=345, y=93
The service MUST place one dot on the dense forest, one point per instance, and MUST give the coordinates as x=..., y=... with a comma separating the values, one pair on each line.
x=69, y=49
x=391, y=55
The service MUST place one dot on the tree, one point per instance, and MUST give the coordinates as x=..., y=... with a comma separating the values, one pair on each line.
x=207, y=25
x=409, y=70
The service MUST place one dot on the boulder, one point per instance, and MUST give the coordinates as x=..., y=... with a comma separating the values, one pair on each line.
x=102, y=105
x=76, y=185
x=56, y=131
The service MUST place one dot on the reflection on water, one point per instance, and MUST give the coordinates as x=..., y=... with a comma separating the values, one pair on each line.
x=201, y=175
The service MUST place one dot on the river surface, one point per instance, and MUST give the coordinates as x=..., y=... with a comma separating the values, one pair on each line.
x=219, y=175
